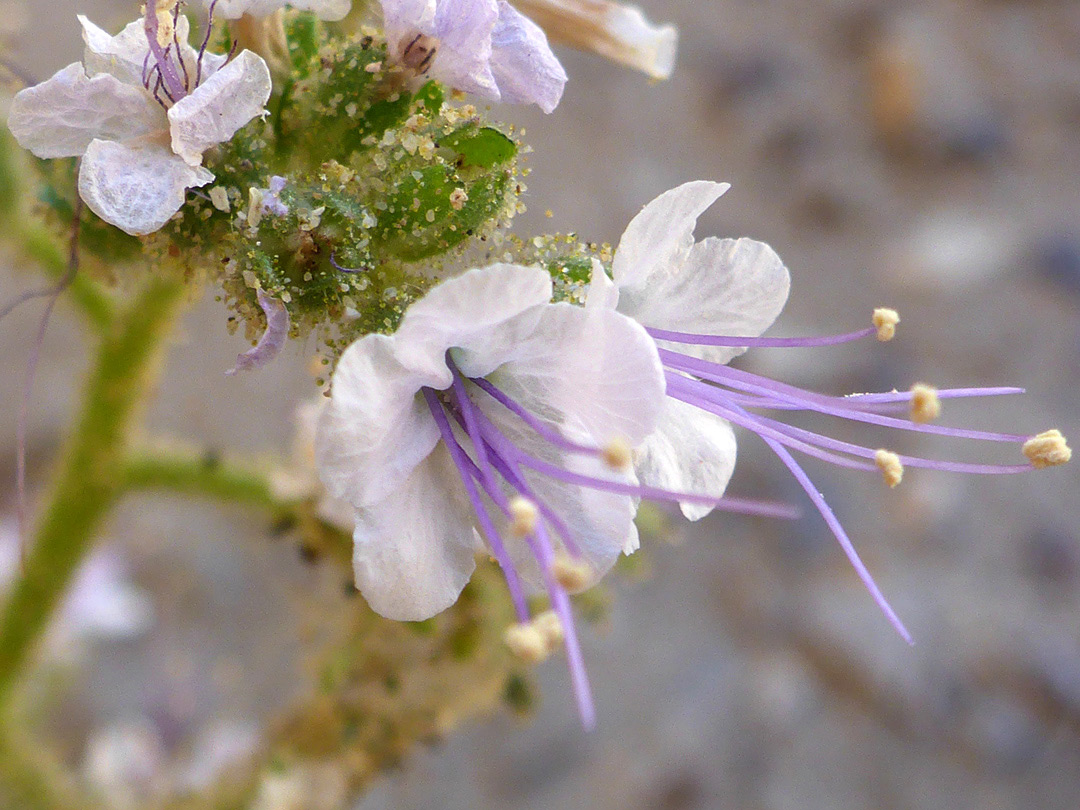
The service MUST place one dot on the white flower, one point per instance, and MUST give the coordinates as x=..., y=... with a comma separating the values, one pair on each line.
x=396, y=400
x=484, y=47
x=664, y=280
x=141, y=121
x=324, y=9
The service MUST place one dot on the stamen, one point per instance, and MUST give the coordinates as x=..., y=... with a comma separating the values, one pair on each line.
x=885, y=321
x=736, y=341
x=527, y=642
x=157, y=37
x=745, y=381
x=205, y=42
x=487, y=527
x=891, y=467
x=523, y=517
x=1048, y=449
x=925, y=403
x=574, y=575
x=339, y=268
x=179, y=52
x=551, y=628
x=619, y=455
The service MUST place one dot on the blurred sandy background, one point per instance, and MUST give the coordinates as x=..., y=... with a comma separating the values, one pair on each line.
x=923, y=155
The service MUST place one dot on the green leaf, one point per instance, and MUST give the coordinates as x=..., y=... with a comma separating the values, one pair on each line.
x=481, y=146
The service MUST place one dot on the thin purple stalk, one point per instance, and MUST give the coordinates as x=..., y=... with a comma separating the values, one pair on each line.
x=179, y=53
x=31, y=371
x=462, y=462
x=838, y=531
x=174, y=87
x=341, y=269
x=746, y=381
x=742, y=341
x=536, y=424
x=704, y=397
x=205, y=42
x=522, y=486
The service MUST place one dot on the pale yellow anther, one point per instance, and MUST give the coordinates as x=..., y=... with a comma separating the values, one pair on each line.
x=890, y=465
x=572, y=574
x=526, y=642
x=255, y=207
x=618, y=454
x=925, y=404
x=885, y=321
x=1049, y=449
x=550, y=627
x=523, y=517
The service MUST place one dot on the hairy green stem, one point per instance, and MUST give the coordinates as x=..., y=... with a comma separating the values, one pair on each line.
x=91, y=473
x=189, y=473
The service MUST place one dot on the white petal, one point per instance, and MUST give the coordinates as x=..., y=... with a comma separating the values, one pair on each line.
x=691, y=451
x=61, y=116
x=524, y=67
x=406, y=18
x=595, y=375
x=136, y=186
x=725, y=287
x=219, y=106
x=481, y=314
x=463, y=60
x=602, y=293
x=376, y=429
x=414, y=551
x=662, y=233
x=122, y=56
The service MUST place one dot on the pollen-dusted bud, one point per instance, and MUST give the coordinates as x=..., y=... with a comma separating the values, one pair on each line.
x=618, y=454
x=571, y=574
x=526, y=642
x=885, y=321
x=1048, y=449
x=891, y=467
x=550, y=627
x=925, y=404
x=523, y=517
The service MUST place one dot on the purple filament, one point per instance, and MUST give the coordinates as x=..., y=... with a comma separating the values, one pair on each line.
x=467, y=471
x=173, y=85
x=341, y=269
x=740, y=341
x=176, y=43
x=205, y=42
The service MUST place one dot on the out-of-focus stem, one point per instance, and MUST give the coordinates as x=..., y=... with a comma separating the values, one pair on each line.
x=91, y=473
x=614, y=30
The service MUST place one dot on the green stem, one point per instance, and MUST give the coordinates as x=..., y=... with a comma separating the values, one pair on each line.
x=187, y=473
x=90, y=477
x=41, y=246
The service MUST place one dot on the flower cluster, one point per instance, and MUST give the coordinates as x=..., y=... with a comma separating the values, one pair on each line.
x=476, y=406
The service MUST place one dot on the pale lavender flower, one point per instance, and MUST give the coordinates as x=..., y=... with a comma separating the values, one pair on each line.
x=483, y=47
x=140, y=110
x=272, y=340
x=495, y=421
x=706, y=302
x=271, y=197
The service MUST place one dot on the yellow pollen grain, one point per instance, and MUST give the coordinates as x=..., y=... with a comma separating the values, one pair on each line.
x=885, y=321
x=891, y=467
x=1048, y=449
x=526, y=642
x=571, y=574
x=925, y=404
x=550, y=628
x=618, y=454
x=523, y=517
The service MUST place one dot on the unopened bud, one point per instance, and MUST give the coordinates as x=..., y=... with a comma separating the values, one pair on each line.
x=523, y=517
x=572, y=574
x=885, y=321
x=618, y=454
x=925, y=404
x=526, y=642
x=1048, y=449
x=890, y=465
